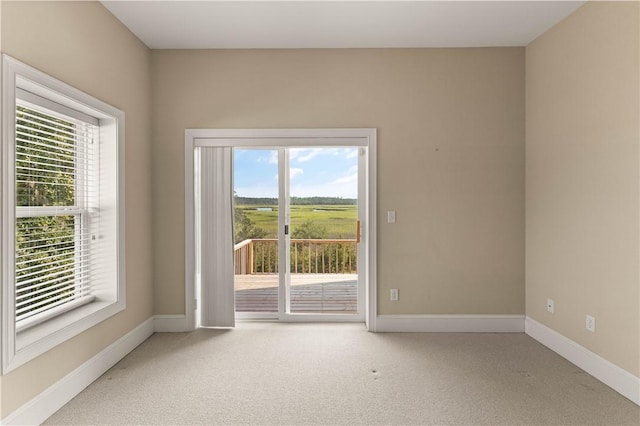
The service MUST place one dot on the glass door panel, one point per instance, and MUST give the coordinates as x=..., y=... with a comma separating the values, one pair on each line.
x=256, y=206
x=323, y=207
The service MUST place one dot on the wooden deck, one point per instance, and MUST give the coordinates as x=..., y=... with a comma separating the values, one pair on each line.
x=310, y=293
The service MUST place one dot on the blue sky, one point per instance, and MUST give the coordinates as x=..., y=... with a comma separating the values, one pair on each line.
x=325, y=172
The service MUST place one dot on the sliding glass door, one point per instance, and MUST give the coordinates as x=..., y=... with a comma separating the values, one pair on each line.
x=297, y=215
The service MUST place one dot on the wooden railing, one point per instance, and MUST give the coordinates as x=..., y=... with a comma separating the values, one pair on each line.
x=260, y=256
x=243, y=257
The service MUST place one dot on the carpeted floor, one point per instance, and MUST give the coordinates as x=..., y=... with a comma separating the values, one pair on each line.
x=270, y=373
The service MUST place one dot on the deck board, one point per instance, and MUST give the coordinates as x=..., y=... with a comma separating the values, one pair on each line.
x=310, y=293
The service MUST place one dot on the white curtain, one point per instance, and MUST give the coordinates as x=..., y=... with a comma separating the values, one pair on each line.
x=216, y=237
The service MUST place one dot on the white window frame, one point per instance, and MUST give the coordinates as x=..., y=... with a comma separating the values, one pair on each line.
x=19, y=347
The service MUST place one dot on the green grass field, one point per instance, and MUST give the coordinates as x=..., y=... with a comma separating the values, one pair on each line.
x=339, y=221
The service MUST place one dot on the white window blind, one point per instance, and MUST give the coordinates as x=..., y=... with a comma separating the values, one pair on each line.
x=56, y=187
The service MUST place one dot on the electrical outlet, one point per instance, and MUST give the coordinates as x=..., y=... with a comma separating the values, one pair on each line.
x=550, y=306
x=590, y=323
x=394, y=294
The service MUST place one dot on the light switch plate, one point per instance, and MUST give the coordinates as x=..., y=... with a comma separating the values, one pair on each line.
x=590, y=323
x=391, y=216
x=394, y=294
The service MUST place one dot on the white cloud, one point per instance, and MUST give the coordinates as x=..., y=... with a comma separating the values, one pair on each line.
x=294, y=152
x=310, y=154
x=302, y=155
x=258, y=191
x=295, y=171
x=343, y=187
x=351, y=153
x=345, y=190
x=273, y=157
x=346, y=179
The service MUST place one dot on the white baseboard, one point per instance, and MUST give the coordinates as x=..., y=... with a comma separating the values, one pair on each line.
x=171, y=324
x=608, y=373
x=450, y=323
x=55, y=396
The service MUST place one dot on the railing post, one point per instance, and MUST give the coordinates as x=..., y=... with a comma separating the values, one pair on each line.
x=275, y=256
x=250, y=260
x=323, y=259
x=344, y=253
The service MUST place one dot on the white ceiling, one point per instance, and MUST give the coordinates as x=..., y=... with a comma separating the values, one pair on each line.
x=338, y=24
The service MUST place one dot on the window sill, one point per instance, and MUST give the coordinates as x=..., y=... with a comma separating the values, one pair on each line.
x=40, y=338
x=23, y=325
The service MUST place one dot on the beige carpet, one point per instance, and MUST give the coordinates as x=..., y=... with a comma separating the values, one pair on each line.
x=269, y=373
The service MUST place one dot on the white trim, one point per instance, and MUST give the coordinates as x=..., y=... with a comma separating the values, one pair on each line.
x=352, y=136
x=450, y=323
x=282, y=142
x=45, y=103
x=370, y=238
x=279, y=133
x=55, y=396
x=34, y=81
x=190, y=251
x=171, y=324
x=7, y=214
x=608, y=373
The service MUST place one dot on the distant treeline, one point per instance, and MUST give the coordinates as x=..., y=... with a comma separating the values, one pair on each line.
x=296, y=201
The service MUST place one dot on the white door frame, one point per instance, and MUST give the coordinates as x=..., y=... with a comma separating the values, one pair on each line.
x=195, y=138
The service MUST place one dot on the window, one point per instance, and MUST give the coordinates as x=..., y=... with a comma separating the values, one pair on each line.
x=62, y=210
x=55, y=185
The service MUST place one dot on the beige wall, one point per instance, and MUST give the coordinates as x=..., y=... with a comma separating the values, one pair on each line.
x=450, y=158
x=582, y=174
x=83, y=45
